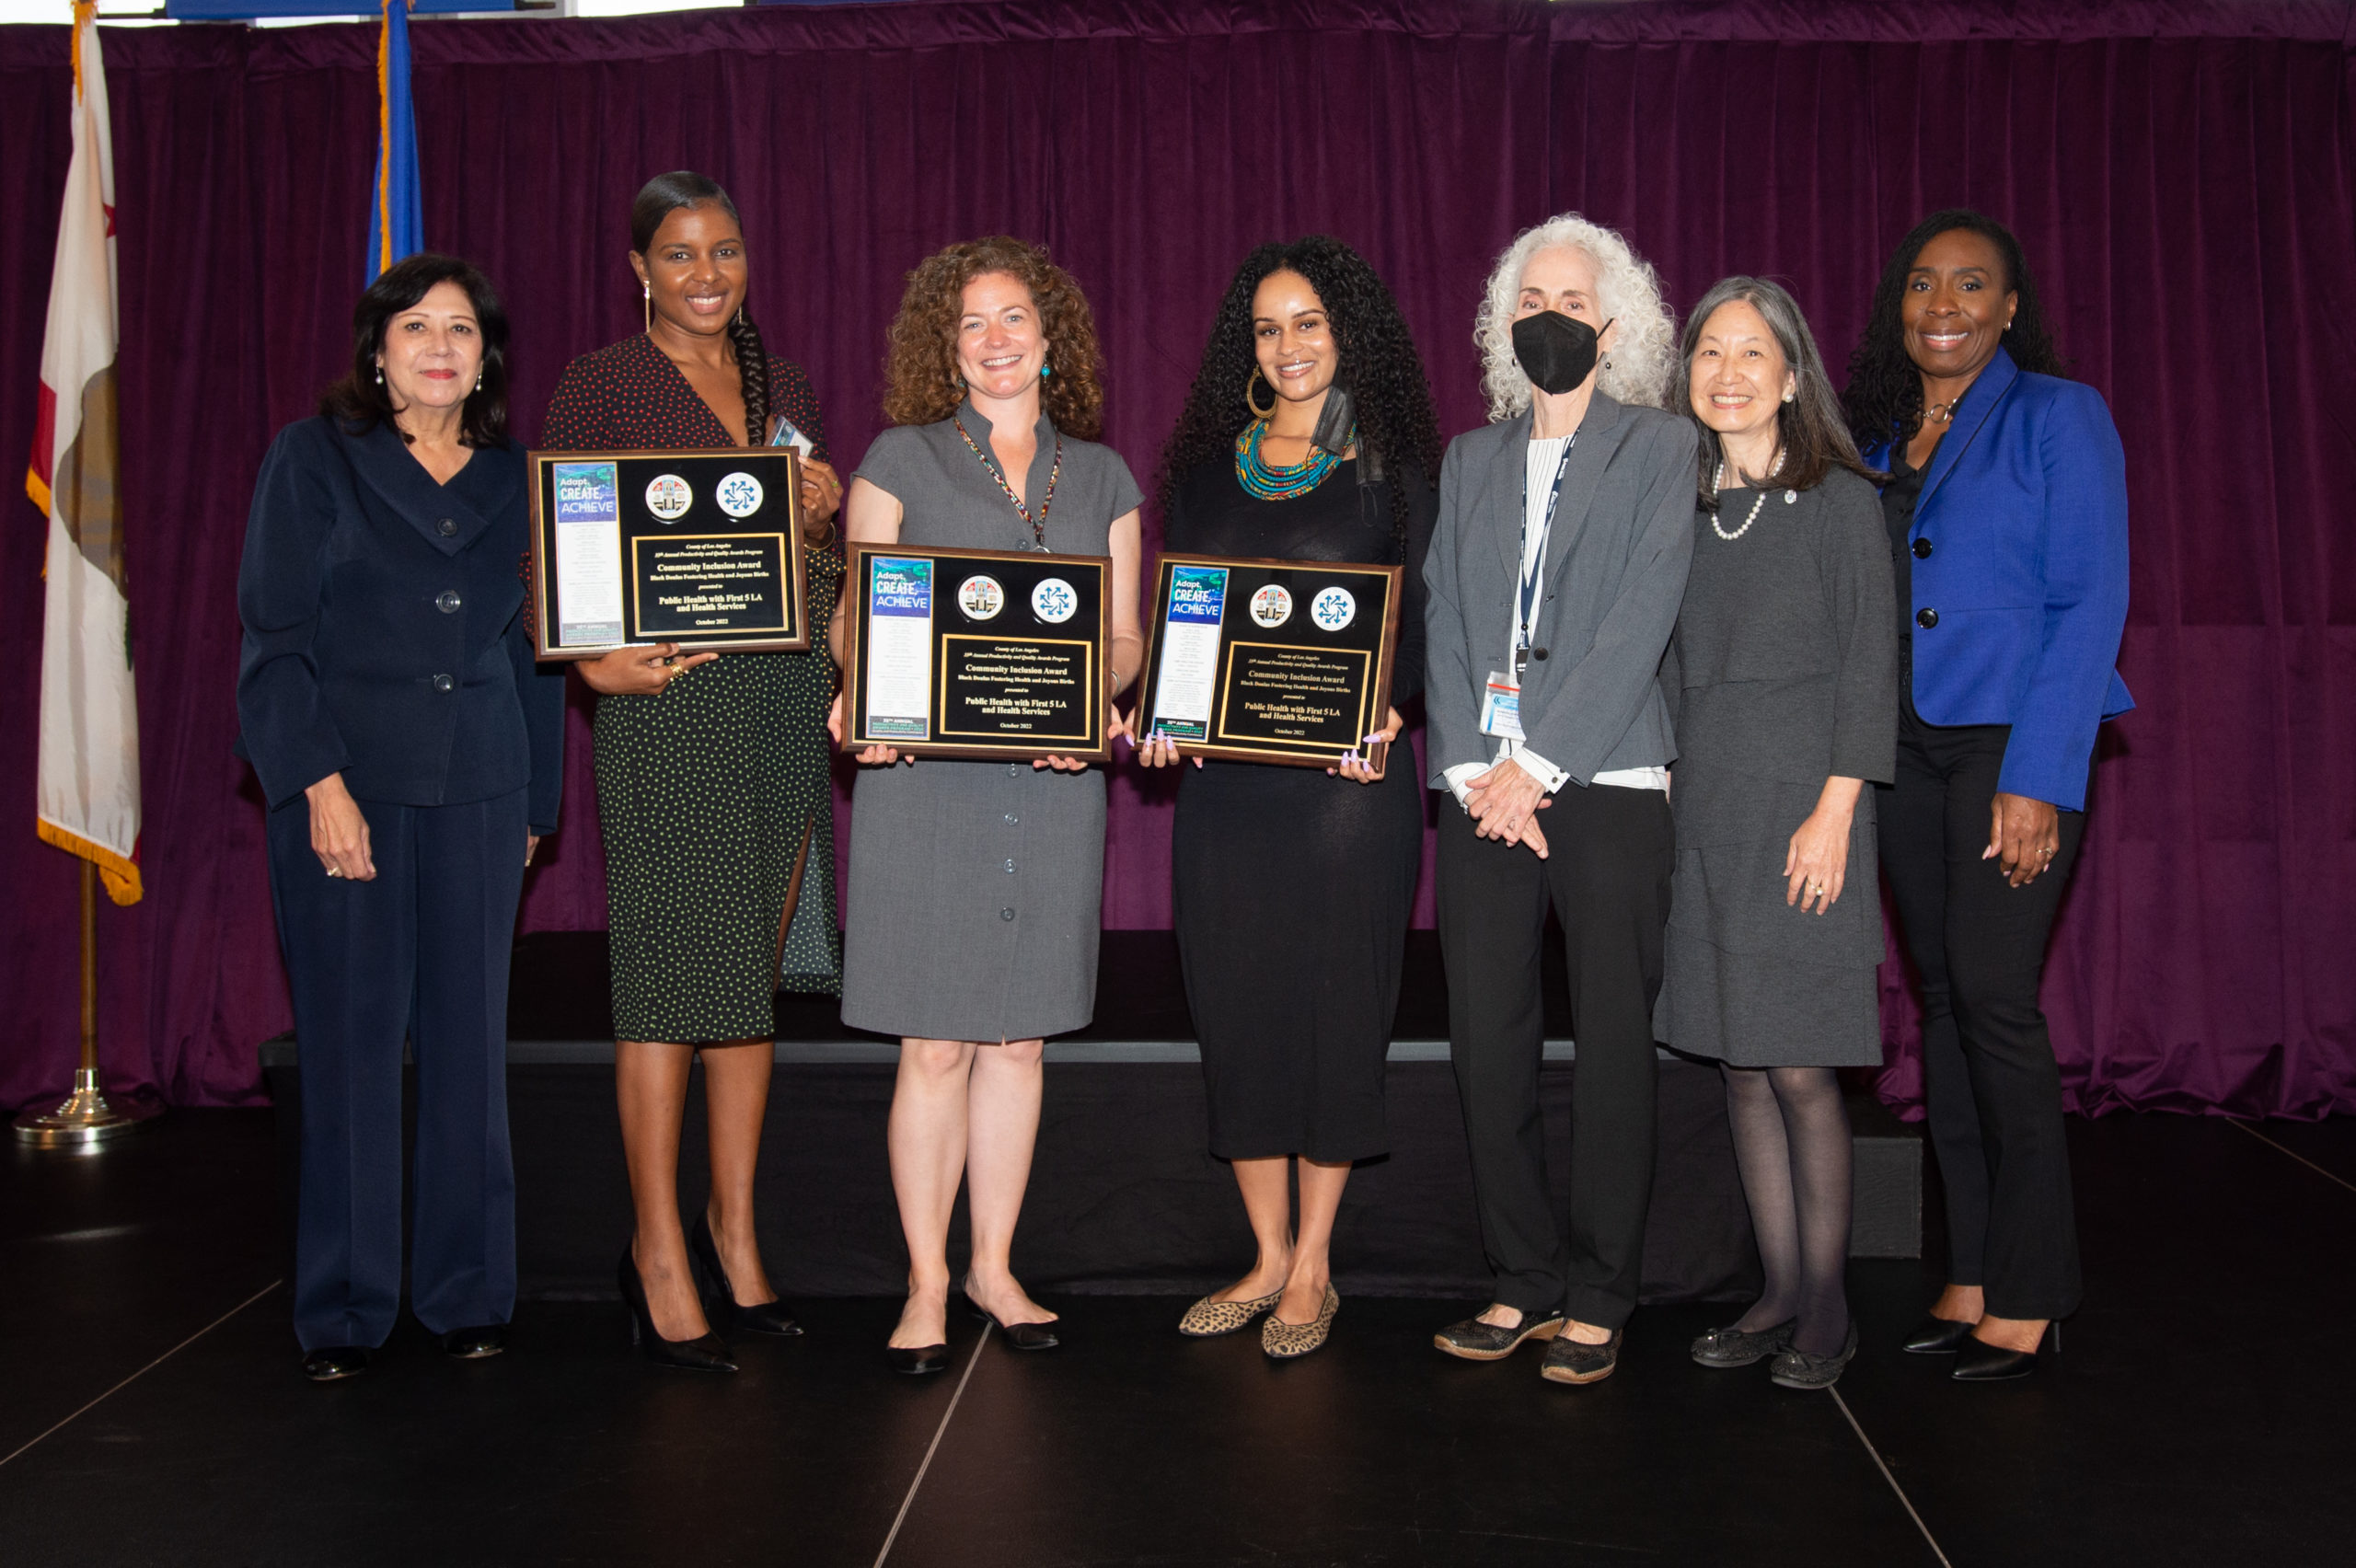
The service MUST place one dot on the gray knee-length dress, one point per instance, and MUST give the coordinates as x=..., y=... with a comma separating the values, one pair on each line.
x=1781, y=674
x=976, y=890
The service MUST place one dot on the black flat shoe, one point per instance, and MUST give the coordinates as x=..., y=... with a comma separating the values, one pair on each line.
x=1743, y=1348
x=1019, y=1336
x=477, y=1343
x=708, y=1354
x=919, y=1360
x=334, y=1363
x=1937, y=1336
x=1977, y=1361
x=762, y=1317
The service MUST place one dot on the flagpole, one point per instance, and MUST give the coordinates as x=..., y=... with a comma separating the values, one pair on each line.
x=85, y=1118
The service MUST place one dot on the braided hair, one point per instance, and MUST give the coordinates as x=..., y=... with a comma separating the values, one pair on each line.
x=657, y=200
x=1388, y=392
x=1884, y=398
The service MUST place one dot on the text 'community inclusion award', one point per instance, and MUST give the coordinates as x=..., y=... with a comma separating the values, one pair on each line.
x=977, y=653
x=698, y=547
x=1270, y=660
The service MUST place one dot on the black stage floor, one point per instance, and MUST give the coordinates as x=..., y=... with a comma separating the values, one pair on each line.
x=150, y=1412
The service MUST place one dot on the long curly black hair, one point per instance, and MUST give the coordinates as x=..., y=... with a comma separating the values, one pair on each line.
x=1390, y=395
x=1884, y=398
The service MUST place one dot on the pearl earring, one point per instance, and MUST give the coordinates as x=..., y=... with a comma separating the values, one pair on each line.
x=380, y=376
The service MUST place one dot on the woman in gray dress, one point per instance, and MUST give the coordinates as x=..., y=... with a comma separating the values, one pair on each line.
x=1781, y=677
x=976, y=886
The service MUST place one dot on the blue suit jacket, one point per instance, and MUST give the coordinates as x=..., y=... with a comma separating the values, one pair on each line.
x=383, y=634
x=2024, y=508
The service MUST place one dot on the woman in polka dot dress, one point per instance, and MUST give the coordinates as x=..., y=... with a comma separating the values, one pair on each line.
x=713, y=798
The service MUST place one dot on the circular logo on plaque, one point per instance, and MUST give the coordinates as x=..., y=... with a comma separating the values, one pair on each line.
x=1333, y=609
x=981, y=598
x=1272, y=606
x=739, y=495
x=668, y=497
x=1054, y=601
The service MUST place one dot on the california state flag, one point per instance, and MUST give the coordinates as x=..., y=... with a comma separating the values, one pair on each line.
x=87, y=800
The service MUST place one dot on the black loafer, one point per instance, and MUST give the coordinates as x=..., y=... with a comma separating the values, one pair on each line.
x=1473, y=1340
x=1937, y=1336
x=1568, y=1361
x=1742, y=1347
x=916, y=1360
x=477, y=1343
x=334, y=1363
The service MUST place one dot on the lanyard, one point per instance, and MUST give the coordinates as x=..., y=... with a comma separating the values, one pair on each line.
x=1533, y=571
x=1039, y=522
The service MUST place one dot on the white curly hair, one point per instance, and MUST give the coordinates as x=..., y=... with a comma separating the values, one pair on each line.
x=1636, y=367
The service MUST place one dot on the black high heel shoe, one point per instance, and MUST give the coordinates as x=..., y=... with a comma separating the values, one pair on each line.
x=1937, y=1336
x=709, y=1354
x=1019, y=1336
x=1977, y=1361
x=773, y=1317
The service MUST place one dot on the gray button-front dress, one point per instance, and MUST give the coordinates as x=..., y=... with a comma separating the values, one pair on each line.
x=977, y=888
x=1781, y=674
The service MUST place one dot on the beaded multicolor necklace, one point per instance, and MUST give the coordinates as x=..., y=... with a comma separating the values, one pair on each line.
x=1258, y=478
x=1039, y=523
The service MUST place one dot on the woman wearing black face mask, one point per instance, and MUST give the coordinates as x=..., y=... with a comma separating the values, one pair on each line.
x=1554, y=576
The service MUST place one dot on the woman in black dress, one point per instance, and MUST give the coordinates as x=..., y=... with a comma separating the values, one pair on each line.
x=1309, y=435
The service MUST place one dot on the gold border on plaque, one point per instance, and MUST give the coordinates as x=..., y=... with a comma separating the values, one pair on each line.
x=638, y=607
x=941, y=692
x=856, y=555
x=795, y=634
x=1321, y=756
x=1366, y=696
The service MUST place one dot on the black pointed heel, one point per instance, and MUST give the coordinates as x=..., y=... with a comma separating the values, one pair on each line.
x=761, y=1317
x=709, y=1354
x=1019, y=1336
x=1937, y=1336
x=1977, y=1361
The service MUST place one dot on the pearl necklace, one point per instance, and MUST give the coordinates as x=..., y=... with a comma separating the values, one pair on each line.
x=1720, y=484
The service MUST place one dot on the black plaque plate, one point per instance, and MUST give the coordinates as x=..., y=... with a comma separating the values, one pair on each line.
x=1270, y=660
x=698, y=547
x=977, y=653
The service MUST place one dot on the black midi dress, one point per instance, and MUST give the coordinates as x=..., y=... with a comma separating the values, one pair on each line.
x=1291, y=890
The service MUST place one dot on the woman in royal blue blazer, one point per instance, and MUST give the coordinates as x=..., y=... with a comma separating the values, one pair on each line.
x=411, y=757
x=2007, y=506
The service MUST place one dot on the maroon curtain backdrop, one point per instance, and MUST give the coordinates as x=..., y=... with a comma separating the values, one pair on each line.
x=2179, y=173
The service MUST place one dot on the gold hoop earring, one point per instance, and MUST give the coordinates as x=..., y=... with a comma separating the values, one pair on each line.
x=1257, y=411
x=650, y=304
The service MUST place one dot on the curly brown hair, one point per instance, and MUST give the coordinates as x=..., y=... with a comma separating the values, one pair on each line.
x=922, y=383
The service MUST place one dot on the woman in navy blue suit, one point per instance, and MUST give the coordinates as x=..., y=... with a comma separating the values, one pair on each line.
x=411, y=757
x=2007, y=506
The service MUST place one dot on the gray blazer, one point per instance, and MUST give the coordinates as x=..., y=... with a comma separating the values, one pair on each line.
x=1615, y=575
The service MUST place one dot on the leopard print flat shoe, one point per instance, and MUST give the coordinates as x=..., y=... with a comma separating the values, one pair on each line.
x=1281, y=1340
x=1207, y=1318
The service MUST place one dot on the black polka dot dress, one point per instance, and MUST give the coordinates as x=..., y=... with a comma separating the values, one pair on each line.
x=712, y=792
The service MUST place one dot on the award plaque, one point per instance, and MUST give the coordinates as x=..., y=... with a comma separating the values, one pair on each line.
x=702, y=548
x=1269, y=661
x=977, y=653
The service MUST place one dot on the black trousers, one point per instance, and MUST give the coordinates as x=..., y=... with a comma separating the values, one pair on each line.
x=1611, y=851
x=1993, y=1092
x=422, y=950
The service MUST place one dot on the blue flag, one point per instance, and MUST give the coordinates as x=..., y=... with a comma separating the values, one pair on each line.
x=397, y=212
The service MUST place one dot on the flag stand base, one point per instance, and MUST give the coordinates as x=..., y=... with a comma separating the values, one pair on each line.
x=82, y=1118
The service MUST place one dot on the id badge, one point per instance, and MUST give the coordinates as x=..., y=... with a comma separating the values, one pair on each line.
x=1501, y=707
